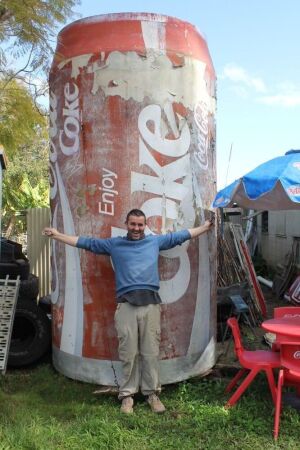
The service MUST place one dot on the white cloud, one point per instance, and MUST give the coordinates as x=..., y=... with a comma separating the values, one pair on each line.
x=285, y=94
x=240, y=91
x=239, y=75
x=285, y=100
x=286, y=86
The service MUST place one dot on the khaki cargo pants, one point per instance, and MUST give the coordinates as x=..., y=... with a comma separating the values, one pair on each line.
x=138, y=329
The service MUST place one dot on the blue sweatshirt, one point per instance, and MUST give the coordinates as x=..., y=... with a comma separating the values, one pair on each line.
x=135, y=261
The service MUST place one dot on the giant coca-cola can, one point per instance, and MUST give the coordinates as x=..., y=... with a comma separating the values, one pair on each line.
x=132, y=104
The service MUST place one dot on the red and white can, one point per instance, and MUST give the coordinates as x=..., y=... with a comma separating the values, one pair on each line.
x=132, y=104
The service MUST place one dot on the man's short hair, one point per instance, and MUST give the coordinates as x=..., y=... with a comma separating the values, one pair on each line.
x=135, y=212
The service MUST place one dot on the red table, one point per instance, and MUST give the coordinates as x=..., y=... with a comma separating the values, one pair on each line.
x=285, y=328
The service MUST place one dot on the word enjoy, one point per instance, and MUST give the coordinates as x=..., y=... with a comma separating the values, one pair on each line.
x=107, y=205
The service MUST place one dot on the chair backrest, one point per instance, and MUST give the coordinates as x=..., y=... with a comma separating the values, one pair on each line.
x=290, y=357
x=238, y=346
x=286, y=311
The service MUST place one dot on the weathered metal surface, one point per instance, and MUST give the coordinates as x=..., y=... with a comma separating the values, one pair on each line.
x=132, y=104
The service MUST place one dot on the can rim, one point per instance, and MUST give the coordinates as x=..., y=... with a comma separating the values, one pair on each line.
x=115, y=17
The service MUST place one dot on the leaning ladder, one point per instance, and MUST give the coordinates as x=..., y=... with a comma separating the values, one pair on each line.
x=9, y=290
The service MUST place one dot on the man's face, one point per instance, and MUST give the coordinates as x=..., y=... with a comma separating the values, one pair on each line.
x=136, y=226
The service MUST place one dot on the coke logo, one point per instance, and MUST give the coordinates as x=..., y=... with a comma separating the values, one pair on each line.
x=297, y=354
x=71, y=129
x=171, y=186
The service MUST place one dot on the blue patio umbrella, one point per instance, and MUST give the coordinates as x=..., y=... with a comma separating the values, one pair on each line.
x=273, y=185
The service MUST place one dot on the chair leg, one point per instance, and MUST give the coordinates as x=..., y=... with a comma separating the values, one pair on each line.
x=249, y=378
x=235, y=379
x=278, y=404
x=272, y=384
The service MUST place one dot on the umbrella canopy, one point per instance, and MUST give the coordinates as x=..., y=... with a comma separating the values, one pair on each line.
x=274, y=185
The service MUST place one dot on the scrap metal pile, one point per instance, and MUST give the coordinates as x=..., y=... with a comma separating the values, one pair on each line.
x=235, y=267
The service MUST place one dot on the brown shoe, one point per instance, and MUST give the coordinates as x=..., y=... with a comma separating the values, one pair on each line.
x=127, y=405
x=155, y=404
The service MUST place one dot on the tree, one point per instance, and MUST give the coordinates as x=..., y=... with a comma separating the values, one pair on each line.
x=29, y=28
x=28, y=31
x=18, y=116
x=23, y=132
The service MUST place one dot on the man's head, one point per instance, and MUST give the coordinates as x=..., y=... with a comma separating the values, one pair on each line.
x=136, y=224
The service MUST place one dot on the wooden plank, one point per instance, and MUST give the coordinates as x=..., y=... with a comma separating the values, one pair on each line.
x=248, y=267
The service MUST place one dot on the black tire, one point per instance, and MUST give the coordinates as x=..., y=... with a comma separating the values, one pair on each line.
x=16, y=268
x=31, y=335
x=29, y=288
x=45, y=304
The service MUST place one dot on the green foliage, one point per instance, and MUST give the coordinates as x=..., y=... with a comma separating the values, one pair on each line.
x=30, y=26
x=41, y=409
x=26, y=195
x=23, y=133
x=19, y=119
x=28, y=30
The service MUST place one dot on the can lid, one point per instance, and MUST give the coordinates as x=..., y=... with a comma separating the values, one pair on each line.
x=126, y=32
x=128, y=16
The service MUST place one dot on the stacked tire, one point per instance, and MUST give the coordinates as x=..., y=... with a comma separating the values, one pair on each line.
x=31, y=334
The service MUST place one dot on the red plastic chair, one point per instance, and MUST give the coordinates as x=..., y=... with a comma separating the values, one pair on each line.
x=281, y=312
x=253, y=361
x=289, y=375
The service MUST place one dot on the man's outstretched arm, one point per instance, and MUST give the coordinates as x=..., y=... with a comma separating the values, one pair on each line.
x=65, y=238
x=194, y=232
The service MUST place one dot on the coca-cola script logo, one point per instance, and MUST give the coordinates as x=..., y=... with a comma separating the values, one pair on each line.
x=297, y=354
x=67, y=141
x=201, y=119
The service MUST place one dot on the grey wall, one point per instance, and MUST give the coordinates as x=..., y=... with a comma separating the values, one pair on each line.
x=283, y=227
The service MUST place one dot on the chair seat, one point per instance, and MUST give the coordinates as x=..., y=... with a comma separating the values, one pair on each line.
x=260, y=358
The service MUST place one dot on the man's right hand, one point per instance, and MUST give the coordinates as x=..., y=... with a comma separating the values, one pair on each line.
x=61, y=237
x=51, y=232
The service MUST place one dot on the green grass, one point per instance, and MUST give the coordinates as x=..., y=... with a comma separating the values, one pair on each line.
x=41, y=409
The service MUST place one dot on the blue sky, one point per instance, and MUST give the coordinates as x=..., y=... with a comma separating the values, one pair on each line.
x=255, y=48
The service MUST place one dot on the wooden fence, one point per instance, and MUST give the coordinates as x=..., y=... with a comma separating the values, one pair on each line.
x=38, y=247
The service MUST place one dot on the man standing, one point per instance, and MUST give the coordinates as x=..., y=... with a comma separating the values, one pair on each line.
x=137, y=318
